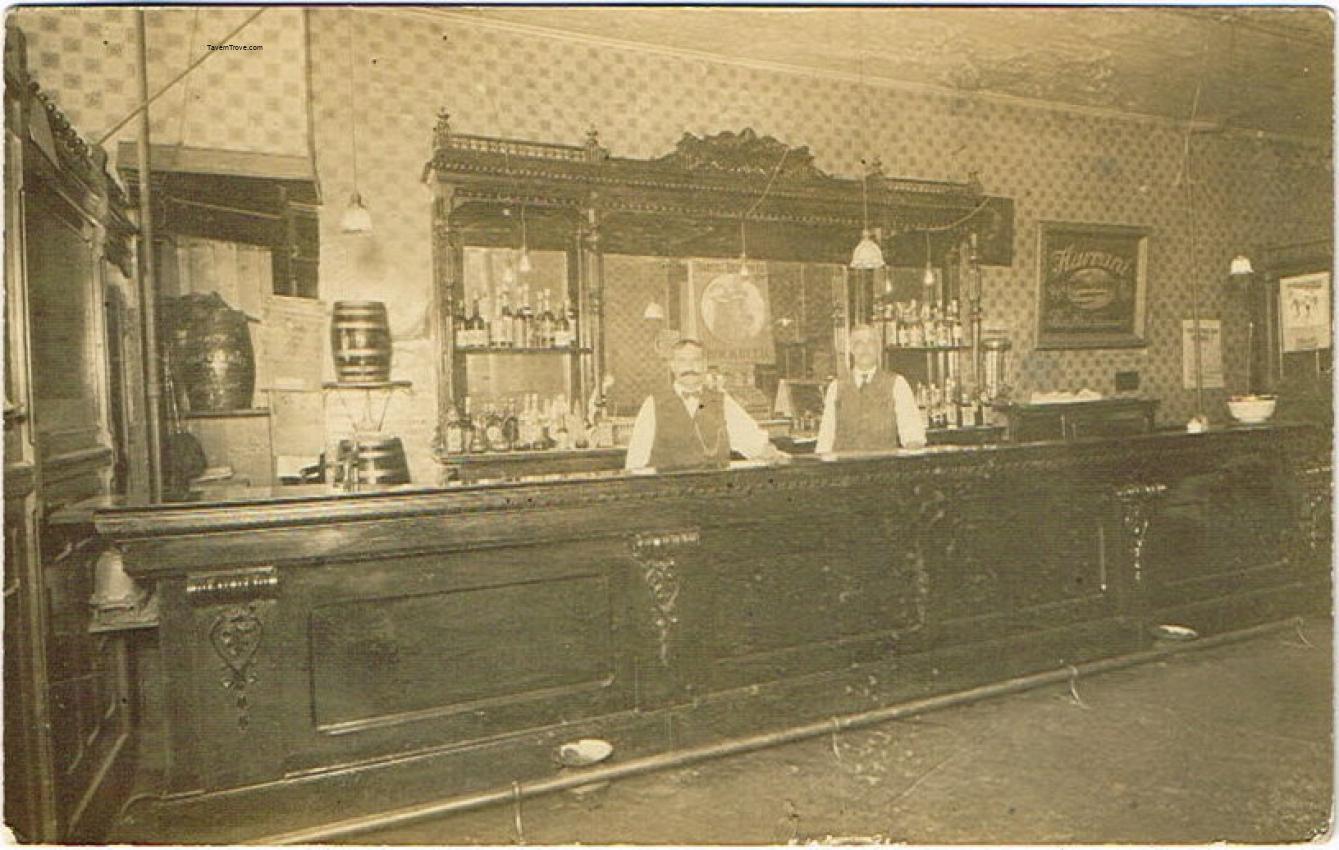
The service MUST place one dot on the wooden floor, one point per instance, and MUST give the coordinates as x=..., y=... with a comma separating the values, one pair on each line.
x=1232, y=743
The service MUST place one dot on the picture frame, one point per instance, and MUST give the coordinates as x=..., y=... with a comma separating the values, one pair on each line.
x=1092, y=285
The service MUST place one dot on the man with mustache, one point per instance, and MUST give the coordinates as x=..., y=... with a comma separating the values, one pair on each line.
x=688, y=425
x=870, y=409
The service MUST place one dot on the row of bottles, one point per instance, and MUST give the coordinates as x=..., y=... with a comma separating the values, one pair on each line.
x=526, y=325
x=913, y=324
x=952, y=406
x=525, y=423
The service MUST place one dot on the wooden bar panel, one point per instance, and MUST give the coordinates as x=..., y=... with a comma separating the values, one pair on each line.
x=376, y=660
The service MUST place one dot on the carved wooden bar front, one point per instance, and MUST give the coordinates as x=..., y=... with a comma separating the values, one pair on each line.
x=352, y=653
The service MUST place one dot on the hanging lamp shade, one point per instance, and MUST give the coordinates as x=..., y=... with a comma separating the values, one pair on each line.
x=356, y=218
x=524, y=263
x=1241, y=265
x=653, y=312
x=867, y=253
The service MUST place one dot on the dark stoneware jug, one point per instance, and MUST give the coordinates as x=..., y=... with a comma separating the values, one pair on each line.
x=212, y=360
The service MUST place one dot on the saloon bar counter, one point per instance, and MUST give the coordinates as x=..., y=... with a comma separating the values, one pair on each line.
x=355, y=654
x=318, y=511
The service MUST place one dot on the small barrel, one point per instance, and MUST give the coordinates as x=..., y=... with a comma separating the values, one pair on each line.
x=360, y=339
x=380, y=461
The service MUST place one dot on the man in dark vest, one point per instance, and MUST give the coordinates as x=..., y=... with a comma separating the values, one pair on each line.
x=686, y=424
x=869, y=409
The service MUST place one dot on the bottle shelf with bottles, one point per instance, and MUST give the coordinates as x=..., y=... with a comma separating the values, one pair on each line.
x=925, y=334
x=518, y=374
x=517, y=318
x=525, y=423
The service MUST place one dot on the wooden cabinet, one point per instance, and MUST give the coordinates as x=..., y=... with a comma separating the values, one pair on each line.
x=73, y=420
x=1077, y=420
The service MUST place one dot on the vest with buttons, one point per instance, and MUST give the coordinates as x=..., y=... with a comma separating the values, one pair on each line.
x=684, y=442
x=866, y=416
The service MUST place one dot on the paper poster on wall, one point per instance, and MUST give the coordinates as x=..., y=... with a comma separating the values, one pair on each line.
x=1304, y=311
x=729, y=312
x=1211, y=353
x=296, y=342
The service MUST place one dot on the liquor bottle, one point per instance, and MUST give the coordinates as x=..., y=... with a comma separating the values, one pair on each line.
x=601, y=429
x=540, y=412
x=562, y=330
x=460, y=324
x=477, y=328
x=547, y=323
x=968, y=413
x=473, y=438
x=562, y=438
x=573, y=326
x=524, y=320
x=453, y=441
x=510, y=428
x=560, y=435
x=532, y=427
x=502, y=325
x=493, y=420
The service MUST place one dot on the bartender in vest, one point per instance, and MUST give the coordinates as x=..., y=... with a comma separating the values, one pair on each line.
x=686, y=424
x=870, y=409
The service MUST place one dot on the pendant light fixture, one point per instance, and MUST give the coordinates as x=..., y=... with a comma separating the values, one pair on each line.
x=867, y=253
x=928, y=279
x=743, y=252
x=524, y=263
x=356, y=218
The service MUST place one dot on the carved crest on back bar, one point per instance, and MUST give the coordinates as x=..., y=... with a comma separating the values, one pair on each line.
x=744, y=152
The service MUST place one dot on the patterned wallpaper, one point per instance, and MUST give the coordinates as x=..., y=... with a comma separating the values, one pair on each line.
x=252, y=100
x=406, y=64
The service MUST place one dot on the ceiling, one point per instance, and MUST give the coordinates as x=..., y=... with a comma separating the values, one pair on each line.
x=1264, y=68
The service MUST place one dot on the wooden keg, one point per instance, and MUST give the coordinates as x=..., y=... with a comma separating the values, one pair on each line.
x=379, y=462
x=360, y=338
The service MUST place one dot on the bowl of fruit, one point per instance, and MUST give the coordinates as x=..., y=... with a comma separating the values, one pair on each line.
x=1251, y=409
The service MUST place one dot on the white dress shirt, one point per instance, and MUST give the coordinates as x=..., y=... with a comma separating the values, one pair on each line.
x=910, y=424
x=745, y=435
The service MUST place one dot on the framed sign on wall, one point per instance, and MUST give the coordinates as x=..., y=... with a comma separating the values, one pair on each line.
x=1092, y=286
x=1304, y=312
